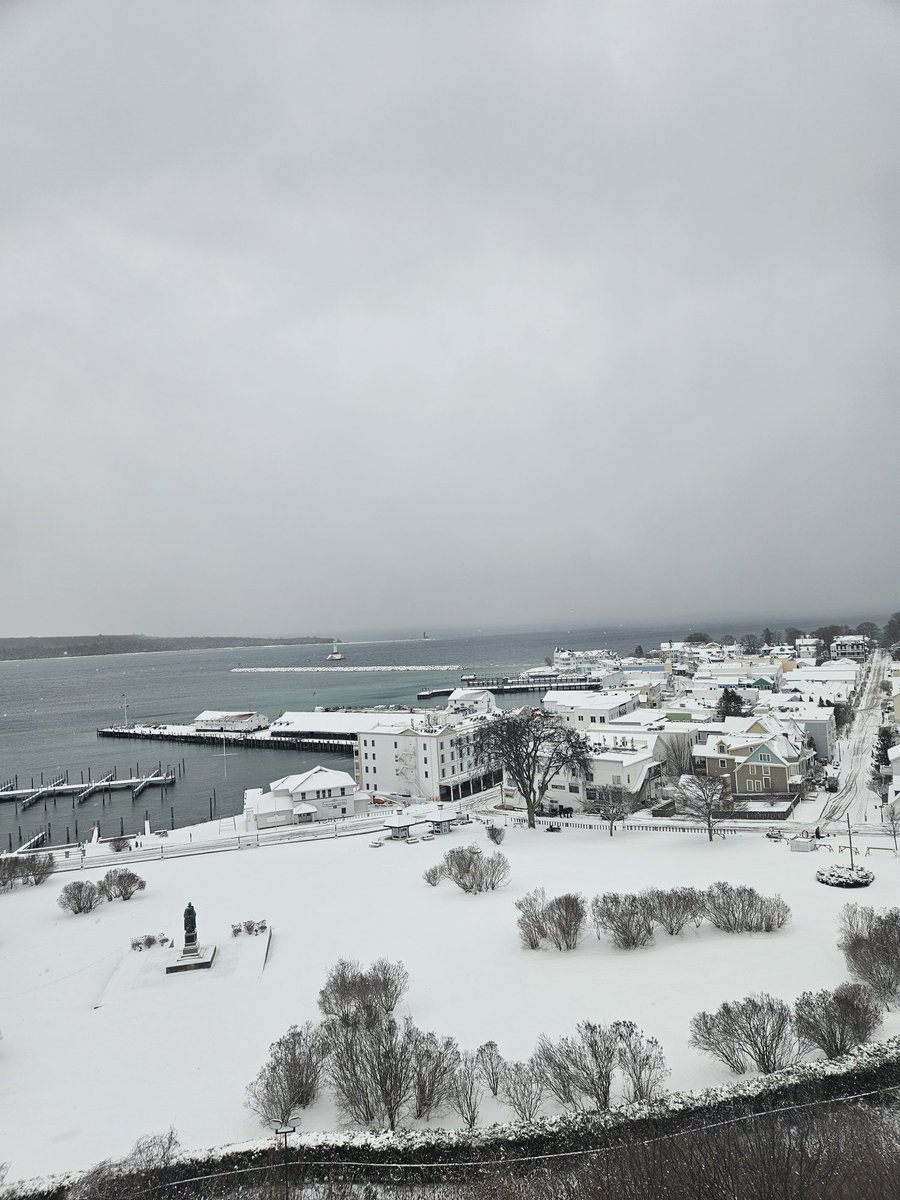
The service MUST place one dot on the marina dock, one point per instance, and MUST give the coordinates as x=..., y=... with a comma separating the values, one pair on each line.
x=55, y=788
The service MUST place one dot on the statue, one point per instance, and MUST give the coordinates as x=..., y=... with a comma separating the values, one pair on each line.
x=190, y=919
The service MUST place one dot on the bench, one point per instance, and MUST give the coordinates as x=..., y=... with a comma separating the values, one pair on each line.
x=554, y=828
x=889, y=850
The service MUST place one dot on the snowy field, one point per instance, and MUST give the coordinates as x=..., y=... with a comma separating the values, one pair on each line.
x=100, y=1046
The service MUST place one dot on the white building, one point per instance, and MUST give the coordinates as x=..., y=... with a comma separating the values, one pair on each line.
x=320, y=794
x=584, y=709
x=851, y=646
x=431, y=759
x=212, y=721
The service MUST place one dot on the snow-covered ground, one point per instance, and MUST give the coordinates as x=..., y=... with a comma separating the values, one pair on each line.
x=100, y=1046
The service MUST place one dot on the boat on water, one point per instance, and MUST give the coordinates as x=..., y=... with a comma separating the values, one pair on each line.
x=335, y=655
x=425, y=637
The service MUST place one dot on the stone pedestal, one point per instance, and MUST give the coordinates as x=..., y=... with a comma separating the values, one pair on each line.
x=191, y=946
x=199, y=958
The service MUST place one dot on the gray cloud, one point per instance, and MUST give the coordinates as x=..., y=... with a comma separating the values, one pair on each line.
x=318, y=317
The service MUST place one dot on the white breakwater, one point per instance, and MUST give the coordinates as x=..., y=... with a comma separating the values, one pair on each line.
x=336, y=670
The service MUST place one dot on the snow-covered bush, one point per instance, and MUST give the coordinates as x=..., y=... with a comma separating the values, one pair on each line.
x=118, y=844
x=522, y=1088
x=290, y=1078
x=837, y=1021
x=372, y=1069
x=870, y=941
x=490, y=1064
x=434, y=874
x=249, y=925
x=496, y=834
x=10, y=871
x=120, y=883
x=625, y=918
x=564, y=918
x=494, y=872
x=673, y=908
x=531, y=918
x=759, y=1027
x=149, y=940
x=82, y=896
x=737, y=908
x=642, y=1062
x=846, y=877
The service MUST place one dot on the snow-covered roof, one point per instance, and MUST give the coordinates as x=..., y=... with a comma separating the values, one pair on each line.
x=211, y=714
x=588, y=700
x=319, y=778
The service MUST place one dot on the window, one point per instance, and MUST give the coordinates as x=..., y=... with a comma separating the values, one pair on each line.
x=426, y=774
x=589, y=776
x=581, y=718
x=767, y=783
x=593, y=720
x=764, y=757
x=395, y=745
x=591, y=793
x=753, y=768
x=573, y=787
x=722, y=762
x=617, y=780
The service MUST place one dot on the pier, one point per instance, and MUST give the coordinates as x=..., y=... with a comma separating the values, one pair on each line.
x=53, y=790
x=510, y=684
x=318, y=743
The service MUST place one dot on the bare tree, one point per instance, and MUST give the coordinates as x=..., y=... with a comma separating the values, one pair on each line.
x=82, y=896
x=390, y=1056
x=531, y=908
x=353, y=996
x=556, y=1063
x=534, y=746
x=890, y=815
x=436, y=1060
x=347, y=1069
x=496, y=834
x=290, y=1079
x=678, y=755
x=597, y=1054
x=611, y=804
x=837, y=1021
x=759, y=1027
x=490, y=1064
x=154, y=1151
x=522, y=1088
x=564, y=918
x=465, y=1092
x=494, y=872
x=706, y=800
x=642, y=1062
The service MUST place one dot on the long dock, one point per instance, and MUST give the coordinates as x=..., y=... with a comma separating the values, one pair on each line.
x=319, y=744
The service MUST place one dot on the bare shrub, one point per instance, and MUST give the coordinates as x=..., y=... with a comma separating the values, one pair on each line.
x=736, y=908
x=597, y=1053
x=837, y=1021
x=555, y=1062
x=642, y=1062
x=673, y=908
x=36, y=868
x=120, y=883
x=290, y=1078
x=434, y=875
x=82, y=896
x=465, y=1093
x=249, y=925
x=870, y=941
x=154, y=1151
x=389, y=1057
x=759, y=1027
x=10, y=871
x=493, y=872
x=625, y=918
x=713, y=1034
x=531, y=918
x=149, y=939
x=522, y=1088
x=462, y=866
x=118, y=844
x=348, y=1074
x=354, y=996
x=490, y=1064
x=564, y=919
x=436, y=1060
x=496, y=834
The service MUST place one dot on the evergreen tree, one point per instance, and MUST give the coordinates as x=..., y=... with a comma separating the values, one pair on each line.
x=890, y=635
x=730, y=705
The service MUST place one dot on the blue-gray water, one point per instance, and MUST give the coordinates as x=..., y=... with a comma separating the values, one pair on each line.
x=50, y=710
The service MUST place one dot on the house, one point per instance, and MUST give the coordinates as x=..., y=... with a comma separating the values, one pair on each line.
x=852, y=646
x=756, y=764
x=211, y=721
x=320, y=794
x=816, y=720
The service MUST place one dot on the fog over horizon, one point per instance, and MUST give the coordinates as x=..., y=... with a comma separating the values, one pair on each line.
x=343, y=318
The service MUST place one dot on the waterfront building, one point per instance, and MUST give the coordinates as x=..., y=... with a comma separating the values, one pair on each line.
x=851, y=646
x=212, y=721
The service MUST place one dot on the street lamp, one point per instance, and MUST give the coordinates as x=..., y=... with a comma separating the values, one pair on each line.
x=285, y=1130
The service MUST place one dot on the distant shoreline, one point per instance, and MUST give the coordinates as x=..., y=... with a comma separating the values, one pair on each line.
x=104, y=646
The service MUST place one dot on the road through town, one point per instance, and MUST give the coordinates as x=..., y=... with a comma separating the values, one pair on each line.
x=855, y=796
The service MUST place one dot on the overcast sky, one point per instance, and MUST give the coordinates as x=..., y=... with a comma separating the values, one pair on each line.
x=325, y=317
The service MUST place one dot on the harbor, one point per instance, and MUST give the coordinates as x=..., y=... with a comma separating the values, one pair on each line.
x=53, y=789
